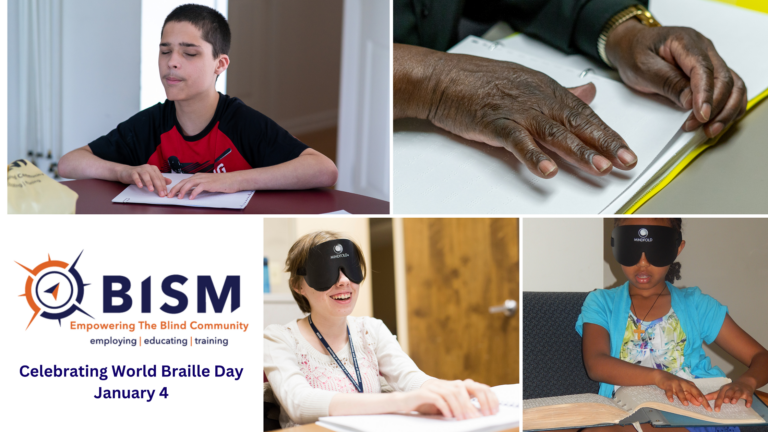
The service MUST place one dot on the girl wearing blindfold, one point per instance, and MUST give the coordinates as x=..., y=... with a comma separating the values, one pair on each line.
x=649, y=332
x=329, y=363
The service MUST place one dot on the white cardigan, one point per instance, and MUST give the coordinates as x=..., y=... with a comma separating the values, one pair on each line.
x=305, y=380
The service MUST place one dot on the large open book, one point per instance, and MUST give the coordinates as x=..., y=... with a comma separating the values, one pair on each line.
x=437, y=172
x=635, y=404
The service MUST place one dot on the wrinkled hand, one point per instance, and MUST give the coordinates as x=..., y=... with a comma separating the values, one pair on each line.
x=682, y=65
x=508, y=105
x=686, y=391
x=145, y=175
x=205, y=182
x=451, y=399
x=731, y=393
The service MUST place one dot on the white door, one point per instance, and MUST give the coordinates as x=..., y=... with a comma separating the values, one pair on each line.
x=363, y=152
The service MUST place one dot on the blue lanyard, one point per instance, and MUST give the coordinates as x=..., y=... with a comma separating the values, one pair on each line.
x=359, y=384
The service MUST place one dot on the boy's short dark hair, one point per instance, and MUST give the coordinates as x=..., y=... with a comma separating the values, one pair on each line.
x=212, y=25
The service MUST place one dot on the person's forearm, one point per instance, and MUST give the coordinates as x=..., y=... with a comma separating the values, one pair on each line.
x=415, y=77
x=305, y=172
x=82, y=164
x=757, y=374
x=607, y=369
x=365, y=403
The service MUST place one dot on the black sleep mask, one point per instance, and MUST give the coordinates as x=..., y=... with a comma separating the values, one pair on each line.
x=659, y=243
x=321, y=270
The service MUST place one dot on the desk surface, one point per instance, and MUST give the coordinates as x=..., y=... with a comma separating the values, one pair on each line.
x=315, y=428
x=729, y=178
x=95, y=197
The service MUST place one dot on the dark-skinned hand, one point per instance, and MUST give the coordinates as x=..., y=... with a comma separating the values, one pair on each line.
x=507, y=105
x=686, y=391
x=682, y=65
x=731, y=393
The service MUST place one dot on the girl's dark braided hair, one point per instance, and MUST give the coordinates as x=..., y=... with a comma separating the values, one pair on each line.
x=673, y=273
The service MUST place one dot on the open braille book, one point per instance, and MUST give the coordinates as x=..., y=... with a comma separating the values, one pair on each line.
x=641, y=404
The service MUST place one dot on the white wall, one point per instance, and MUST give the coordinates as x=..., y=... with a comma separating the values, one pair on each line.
x=279, y=235
x=14, y=136
x=100, y=78
x=562, y=254
x=100, y=70
x=365, y=124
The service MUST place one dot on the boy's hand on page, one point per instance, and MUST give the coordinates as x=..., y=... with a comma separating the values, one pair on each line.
x=507, y=105
x=731, y=393
x=453, y=399
x=686, y=391
x=682, y=65
x=148, y=176
x=205, y=182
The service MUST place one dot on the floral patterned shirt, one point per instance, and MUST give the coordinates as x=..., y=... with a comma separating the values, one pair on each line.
x=660, y=346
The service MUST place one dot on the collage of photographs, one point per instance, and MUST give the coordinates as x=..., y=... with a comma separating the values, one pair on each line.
x=473, y=215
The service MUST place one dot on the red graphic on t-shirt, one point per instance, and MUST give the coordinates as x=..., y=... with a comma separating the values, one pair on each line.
x=213, y=153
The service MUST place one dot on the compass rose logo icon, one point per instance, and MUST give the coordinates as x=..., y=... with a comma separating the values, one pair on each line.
x=54, y=290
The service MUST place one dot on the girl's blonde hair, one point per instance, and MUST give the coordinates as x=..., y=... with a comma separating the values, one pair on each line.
x=297, y=257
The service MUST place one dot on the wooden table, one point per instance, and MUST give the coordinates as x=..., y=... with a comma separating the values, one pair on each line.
x=95, y=197
x=763, y=396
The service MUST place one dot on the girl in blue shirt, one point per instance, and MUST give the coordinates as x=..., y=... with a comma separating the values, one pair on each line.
x=648, y=332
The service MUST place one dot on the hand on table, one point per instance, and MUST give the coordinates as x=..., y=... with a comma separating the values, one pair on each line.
x=452, y=399
x=205, y=182
x=686, y=391
x=145, y=175
x=682, y=65
x=507, y=105
x=731, y=393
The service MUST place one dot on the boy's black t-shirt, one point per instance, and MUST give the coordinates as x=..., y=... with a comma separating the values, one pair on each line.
x=237, y=138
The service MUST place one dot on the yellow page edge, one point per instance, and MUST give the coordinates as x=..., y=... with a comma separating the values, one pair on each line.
x=689, y=158
x=755, y=5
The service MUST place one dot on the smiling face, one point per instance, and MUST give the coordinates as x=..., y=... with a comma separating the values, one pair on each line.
x=643, y=276
x=186, y=63
x=339, y=301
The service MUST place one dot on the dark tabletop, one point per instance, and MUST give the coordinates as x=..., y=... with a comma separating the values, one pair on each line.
x=95, y=197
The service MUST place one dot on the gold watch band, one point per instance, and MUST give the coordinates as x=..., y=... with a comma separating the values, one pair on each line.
x=637, y=11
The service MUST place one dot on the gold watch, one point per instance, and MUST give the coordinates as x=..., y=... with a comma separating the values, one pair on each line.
x=641, y=13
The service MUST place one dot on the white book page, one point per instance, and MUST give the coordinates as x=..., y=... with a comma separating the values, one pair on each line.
x=133, y=195
x=438, y=172
x=509, y=395
x=508, y=417
x=677, y=150
x=570, y=399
